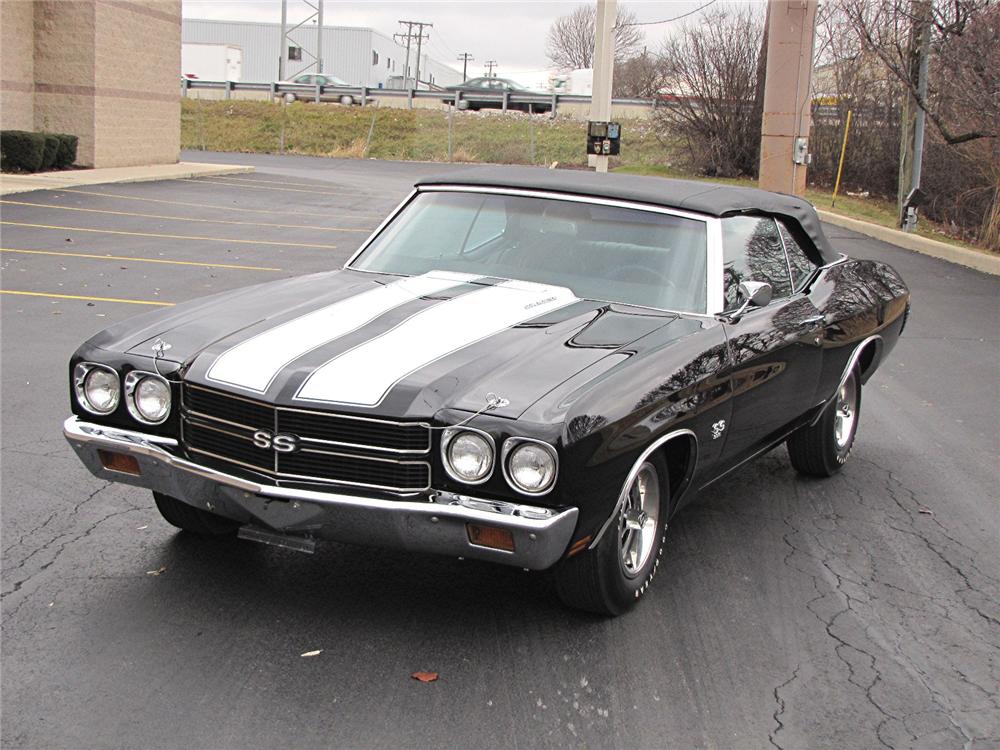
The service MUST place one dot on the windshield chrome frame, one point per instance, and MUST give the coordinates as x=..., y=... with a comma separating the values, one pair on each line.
x=713, y=225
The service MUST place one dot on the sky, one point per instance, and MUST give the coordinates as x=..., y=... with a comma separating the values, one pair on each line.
x=512, y=33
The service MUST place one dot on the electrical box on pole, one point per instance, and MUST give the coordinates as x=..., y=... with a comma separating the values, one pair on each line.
x=603, y=138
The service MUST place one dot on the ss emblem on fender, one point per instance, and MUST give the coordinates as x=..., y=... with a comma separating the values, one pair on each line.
x=718, y=428
x=283, y=442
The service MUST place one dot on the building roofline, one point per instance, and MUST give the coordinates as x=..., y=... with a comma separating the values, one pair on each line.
x=277, y=25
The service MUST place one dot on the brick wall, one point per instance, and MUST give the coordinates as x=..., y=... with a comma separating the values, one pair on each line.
x=104, y=70
x=137, y=106
x=17, y=64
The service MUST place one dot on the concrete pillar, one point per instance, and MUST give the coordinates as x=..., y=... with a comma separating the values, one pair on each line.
x=791, y=31
x=604, y=68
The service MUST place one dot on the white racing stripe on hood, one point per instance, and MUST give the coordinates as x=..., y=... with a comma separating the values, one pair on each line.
x=365, y=374
x=253, y=364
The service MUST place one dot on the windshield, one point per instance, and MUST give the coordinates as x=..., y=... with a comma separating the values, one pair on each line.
x=600, y=252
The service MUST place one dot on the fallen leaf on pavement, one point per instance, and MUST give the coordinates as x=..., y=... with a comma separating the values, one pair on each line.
x=425, y=676
x=926, y=511
x=158, y=571
x=317, y=652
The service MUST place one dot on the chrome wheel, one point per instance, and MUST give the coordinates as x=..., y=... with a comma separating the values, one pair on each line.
x=638, y=521
x=846, y=413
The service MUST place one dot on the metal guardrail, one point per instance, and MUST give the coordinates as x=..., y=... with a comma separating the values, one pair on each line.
x=363, y=94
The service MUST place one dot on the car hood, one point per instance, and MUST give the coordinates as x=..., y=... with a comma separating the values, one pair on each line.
x=389, y=346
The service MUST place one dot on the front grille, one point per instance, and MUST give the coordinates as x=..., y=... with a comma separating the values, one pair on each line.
x=218, y=428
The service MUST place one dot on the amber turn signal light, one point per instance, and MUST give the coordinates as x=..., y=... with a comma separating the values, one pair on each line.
x=120, y=462
x=490, y=536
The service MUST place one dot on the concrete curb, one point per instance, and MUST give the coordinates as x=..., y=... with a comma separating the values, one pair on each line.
x=23, y=183
x=981, y=261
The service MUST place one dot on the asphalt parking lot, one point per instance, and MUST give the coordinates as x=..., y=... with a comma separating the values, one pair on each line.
x=857, y=612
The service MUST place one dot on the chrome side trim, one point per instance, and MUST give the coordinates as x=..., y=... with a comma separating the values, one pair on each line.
x=634, y=472
x=851, y=363
x=715, y=300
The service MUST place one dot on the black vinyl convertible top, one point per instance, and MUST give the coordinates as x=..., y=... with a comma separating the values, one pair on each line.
x=699, y=197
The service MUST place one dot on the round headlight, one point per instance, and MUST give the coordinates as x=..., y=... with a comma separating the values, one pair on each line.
x=469, y=457
x=532, y=468
x=147, y=397
x=100, y=390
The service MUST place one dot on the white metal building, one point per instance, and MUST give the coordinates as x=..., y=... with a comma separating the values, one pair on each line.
x=360, y=56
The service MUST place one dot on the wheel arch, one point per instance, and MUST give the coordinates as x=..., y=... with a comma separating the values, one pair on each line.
x=679, y=449
x=867, y=357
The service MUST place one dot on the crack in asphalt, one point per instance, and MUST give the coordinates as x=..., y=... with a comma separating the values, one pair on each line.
x=862, y=606
x=779, y=725
x=65, y=543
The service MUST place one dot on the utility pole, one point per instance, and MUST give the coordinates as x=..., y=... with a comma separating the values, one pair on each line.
x=465, y=57
x=283, y=57
x=604, y=64
x=409, y=36
x=490, y=65
x=911, y=146
x=319, y=37
x=286, y=37
x=784, y=138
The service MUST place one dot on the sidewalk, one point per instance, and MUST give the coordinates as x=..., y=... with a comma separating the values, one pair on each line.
x=977, y=259
x=22, y=183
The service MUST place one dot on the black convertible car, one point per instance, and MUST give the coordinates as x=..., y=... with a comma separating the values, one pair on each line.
x=531, y=367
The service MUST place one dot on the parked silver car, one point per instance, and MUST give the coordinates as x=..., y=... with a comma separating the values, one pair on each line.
x=323, y=79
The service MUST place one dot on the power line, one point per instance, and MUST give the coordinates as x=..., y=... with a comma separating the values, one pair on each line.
x=490, y=65
x=675, y=18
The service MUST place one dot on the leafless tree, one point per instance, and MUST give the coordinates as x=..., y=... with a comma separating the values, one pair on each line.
x=642, y=76
x=883, y=27
x=571, y=37
x=712, y=69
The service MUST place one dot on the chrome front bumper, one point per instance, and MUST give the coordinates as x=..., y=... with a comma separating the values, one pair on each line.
x=436, y=524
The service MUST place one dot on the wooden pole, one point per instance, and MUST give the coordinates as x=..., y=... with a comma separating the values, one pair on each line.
x=843, y=153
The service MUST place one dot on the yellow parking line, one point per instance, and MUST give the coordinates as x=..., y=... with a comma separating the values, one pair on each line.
x=216, y=181
x=254, y=179
x=89, y=299
x=118, y=196
x=139, y=260
x=183, y=218
x=165, y=236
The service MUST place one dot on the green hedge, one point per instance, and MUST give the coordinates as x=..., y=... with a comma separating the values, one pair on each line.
x=51, y=151
x=22, y=151
x=67, y=150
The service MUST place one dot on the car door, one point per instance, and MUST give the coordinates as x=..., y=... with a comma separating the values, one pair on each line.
x=775, y=350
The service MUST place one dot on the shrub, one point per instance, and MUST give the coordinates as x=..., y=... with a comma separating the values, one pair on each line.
x=50, y=153
x=21, y=151
x=67, y=150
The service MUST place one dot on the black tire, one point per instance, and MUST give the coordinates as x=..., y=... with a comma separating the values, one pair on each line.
x=821, y=449
x=193, y=520
x=597, y=580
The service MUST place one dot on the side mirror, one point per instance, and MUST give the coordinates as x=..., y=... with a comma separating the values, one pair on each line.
x=756, y=293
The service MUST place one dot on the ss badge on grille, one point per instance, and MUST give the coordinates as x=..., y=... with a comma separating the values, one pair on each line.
x=283, y=442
